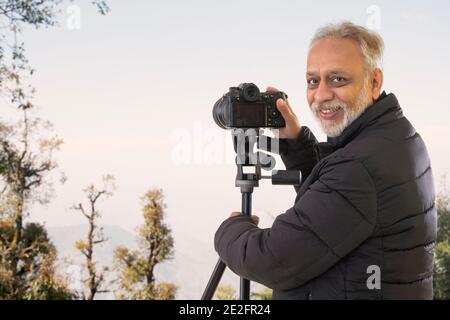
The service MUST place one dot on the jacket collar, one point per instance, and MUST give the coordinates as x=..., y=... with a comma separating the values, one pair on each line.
x=385, y=109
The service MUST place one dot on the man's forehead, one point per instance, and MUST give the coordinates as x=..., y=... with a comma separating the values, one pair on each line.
x=334, y=55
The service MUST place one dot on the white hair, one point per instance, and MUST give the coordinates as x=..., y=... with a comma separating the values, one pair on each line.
x=370, y=43
x=333, y=128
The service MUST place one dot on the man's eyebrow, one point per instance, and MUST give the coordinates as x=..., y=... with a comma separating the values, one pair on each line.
x=334, y=72
x=331, y=72
x=311, y=74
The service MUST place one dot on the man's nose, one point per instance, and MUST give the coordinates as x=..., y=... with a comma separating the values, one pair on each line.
x=323, y=93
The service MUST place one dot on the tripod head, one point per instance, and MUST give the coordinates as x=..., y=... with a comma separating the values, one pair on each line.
x=250, y=162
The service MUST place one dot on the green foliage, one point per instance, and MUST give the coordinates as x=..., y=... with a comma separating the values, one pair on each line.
x=27, y=149
x=27, y=271
x=442, y=271
x=264, y=294
x=136, y=280
x=441, y=279
x=226, y=293
x=95, y=236
x=27, y=256
x=443, y=209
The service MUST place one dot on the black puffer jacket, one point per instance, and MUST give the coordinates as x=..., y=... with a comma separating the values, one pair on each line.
x=366, y=202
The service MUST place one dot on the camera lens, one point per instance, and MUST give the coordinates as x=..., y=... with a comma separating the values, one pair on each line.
x=220, y=112
x=249, y=92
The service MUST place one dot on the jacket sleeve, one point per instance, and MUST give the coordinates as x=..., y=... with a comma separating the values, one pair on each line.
x=333, y=217
x=300, y=153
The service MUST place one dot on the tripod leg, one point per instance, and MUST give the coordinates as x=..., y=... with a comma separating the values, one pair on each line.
x=246, y=210
x=217, y=274
x=214, y=280
x=245, y=289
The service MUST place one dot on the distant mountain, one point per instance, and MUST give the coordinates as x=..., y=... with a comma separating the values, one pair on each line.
x=190, y=268
x=65, y=237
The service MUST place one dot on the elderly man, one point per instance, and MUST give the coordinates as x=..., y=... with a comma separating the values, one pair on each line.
x=363, y=225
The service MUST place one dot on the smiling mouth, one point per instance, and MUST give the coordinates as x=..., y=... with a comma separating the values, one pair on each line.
x=330, y=113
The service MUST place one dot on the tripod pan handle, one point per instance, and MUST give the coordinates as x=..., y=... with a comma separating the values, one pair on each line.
x=287, y=177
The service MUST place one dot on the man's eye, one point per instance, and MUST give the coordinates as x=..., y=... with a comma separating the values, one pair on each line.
x=312, y=82
x=338, y=79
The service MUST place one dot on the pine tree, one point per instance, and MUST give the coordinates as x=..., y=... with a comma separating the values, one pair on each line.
x=136, y=269
x=95, y=236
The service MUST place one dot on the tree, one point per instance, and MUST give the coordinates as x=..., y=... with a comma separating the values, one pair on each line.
x=14, y=66
x=263, y=294
x=27, y=257
x=95, y=236
x=136, y=269
x=27, y=152
x=226, y=293
x=441, y=279
x=32, y=275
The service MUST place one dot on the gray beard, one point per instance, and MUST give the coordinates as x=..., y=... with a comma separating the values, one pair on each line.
x=333, y=128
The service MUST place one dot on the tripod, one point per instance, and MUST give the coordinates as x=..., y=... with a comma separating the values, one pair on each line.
x=249, y=164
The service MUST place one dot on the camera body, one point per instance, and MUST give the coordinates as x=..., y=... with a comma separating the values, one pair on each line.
x=246, y=107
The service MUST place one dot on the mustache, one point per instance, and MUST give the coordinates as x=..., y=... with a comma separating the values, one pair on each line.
x=329, y=105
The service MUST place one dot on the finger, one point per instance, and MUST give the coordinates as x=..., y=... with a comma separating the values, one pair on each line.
x=255, y=219
x=289, y=106
x=284, y=109
x=235, y=214
x=272, y=89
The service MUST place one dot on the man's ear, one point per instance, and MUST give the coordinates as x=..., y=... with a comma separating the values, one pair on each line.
x=377, y=83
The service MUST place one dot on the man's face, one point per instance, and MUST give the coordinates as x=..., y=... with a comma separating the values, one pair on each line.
x=338, y=88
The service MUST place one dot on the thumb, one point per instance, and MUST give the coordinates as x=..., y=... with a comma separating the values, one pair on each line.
x=284, y=109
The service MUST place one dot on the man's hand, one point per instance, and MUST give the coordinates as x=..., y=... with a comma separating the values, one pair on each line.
x=293, y=127
x=255, y=218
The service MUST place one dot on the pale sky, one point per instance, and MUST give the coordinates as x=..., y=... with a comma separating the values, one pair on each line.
x=124, y=88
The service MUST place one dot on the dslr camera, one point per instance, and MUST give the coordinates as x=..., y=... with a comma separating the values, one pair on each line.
x=246, y=107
